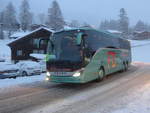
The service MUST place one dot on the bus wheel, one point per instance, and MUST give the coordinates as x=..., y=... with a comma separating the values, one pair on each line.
x=101, y=75
x=125, y=66
x=24, y=73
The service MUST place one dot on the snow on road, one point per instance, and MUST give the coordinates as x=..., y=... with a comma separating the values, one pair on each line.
x=140, y=104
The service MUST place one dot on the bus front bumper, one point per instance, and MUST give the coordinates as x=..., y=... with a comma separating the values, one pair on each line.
x=66, y=79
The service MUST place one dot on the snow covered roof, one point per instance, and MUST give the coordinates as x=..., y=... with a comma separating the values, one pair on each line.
x=139, y=32
x=67, y=27
x=114, y=31
x=38, y=56
x=45, y=28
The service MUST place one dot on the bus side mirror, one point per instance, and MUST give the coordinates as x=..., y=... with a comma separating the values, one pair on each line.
x=49, y=56
x=79, y=39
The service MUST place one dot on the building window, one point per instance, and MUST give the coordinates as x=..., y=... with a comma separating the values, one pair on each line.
x=35, y=51
x=19, y=53
x=39, y=51
x=36, y=42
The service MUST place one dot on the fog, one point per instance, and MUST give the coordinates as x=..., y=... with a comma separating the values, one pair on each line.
x=92, y=11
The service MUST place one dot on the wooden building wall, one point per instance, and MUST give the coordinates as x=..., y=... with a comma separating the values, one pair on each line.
x=28, y=45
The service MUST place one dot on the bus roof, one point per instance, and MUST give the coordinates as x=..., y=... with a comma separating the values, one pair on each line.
x=110, y=35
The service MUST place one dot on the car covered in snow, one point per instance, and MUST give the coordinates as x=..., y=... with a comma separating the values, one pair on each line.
x=8, y=70
x=43, y=65
x=40, y=59
x=29, y=68
x=2, y=60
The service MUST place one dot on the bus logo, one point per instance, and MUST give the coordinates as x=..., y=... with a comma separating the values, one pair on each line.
x=111, y=59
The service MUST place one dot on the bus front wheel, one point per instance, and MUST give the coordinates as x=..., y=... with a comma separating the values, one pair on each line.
x=101, y=75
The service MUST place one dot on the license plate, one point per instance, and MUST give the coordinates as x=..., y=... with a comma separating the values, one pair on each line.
x=62, y=73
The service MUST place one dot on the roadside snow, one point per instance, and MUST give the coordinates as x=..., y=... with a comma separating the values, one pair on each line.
x=140, y=50
x=7, y=66
x=21, y=80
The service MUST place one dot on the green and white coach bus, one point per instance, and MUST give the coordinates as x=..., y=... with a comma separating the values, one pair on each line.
x=85, y=54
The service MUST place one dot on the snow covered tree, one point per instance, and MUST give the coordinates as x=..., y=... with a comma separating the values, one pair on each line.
x=85, y=24
x=42, y=18
x=1, y=25
x=123, y=21
x=25, y=15
x=104, y=25
x=55, y=18
x=10, y=22
x=74, y=23
x=112, y=24
x=140, y=26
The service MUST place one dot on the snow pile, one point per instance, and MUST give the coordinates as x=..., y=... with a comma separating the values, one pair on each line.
x=21, y=80
x=8, y=66
x=140, y=50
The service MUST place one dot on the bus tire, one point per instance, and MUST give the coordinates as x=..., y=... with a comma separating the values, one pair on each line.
x=101, y=74
x=125, y=66
x=24, y=73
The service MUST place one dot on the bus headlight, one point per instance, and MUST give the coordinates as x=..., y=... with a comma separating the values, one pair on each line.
x=48, y=74
x=47, y=79
x=77, y=74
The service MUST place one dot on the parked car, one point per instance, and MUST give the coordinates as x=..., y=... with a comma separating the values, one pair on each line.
x=8, y=70
x=40, y=59
x=43, y=65
x=28, y=68
x=2, y=60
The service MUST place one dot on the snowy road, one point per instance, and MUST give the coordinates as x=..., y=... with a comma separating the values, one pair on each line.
x=116, y=94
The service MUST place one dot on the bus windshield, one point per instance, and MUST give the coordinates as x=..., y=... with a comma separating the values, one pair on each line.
x=64, y=47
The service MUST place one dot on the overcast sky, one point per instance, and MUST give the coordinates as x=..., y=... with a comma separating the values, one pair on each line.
x=93, y=11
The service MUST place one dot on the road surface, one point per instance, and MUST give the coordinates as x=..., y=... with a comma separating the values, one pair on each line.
x=103, y=97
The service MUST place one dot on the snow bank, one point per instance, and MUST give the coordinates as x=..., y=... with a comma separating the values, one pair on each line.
x=140, y=50
x=21, y=80
x=7, y=66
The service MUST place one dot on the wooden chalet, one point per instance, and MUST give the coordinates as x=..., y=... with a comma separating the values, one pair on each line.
x=141, y=35
x=22, y=47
